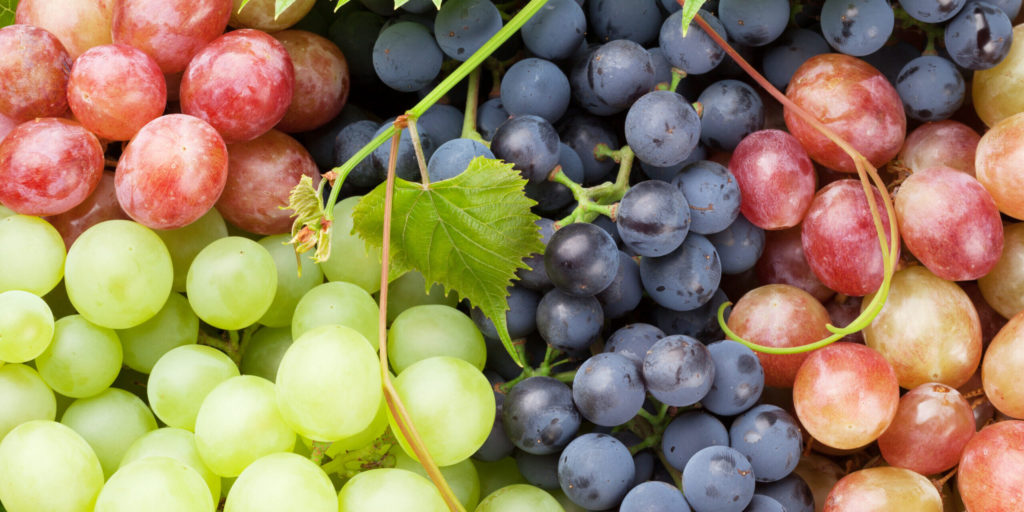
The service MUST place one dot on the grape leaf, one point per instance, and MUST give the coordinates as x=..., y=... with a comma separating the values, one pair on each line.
x=690, y=9
x=470, y=233
x=280, y=6
x=7, y=9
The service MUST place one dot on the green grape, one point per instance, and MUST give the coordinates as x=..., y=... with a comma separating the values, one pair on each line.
x=118, y=274
x=461, y=477
x=26, y=326
x=238, y=423
x=520, y=498
x=31, y=255
x=337, y=303
x=182, y=379
x=46, y=466
x=390, y=489
x=23, y=397
x=411, y=290
x=59, y=302
x=5, y=211
x=351, y=261
x=263, y=354
x=110, y=422
x=231, y=283
x=155, y=484
x=371, y=433
x=328, y=384
x=282, y=482
x=291, y=286
x=175, y=325
x=451, y=404
x=432, y=330
x=497, y=474
x=83, y=358
x=569, y=506
x=185, y=243
x=178, y=444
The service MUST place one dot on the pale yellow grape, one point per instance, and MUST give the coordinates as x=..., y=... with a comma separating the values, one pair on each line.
x=31, y=255
x=23, y=397
x=328, y=383
x=411, y=290
x=263, y=354
x=238, y=423
x=337, y=303
x=118, y=274
x=291, y=284
x=110, y=422
x=432, y=330
x=520, y=498
x=1003, y=286
x=46, y=466
x=26, y=326
x=83, y=358
x=451, y=404
x=260, y=14
x=996, y=90
x=231, y=283
x=461, y=477
x=185, y=242
x=178, y=444
x=351, y=261
x=155, y=484
x=375, y=429
x=182, y=378
x=282, y=482
x=173, y=326
x=390, y=489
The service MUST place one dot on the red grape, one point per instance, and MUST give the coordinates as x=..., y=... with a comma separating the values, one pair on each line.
x=946, y=143
x=776, y=179
x=783, y=262
x=241, y=83
x=840, y=241
x=321, y=80
x=991, y=473
x=999, y=164
x=852, y=99
x=48, y=166
x=779, y=315
x=172, y=171
x=170, y=31
x=101, y=205
x=115, y=89
x=34, y=66
x=1001, y=372
x=261, y=175
x=78, y=24
x=932, y=425
x=884, y=489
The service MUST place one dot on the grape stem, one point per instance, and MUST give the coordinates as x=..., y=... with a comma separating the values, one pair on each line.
x=544, y=370
x=867, y=174
x=417, y=145
x=317, y=453
x=931, y=31
x=600, y=199
x=469, y=130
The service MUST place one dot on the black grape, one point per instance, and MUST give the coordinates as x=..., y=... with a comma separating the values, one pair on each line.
x=583, y=133
x=678, y=370
x=539, y=415
x=624, y=293
x=519, y=319
x=406, y=166
x=528, y=142
x=683, y=279
x=581, y=259
x=349, y=141
x=489, y=116
x=442, y=122
x=653, y=218
x=754, y=22
x=654, y=496
x=636, y=20
x=857, y=27
x=690, y=433
x=932, y=11
x=696, y=53
x=732, y=110
x=1010, y=7
x=931, y=88
x=612, y=76
x=463, y=26
x=662, y=128
x=608, y=390
x=535, y=86
x=453, y=157
x=792, y=492
x=406, y=57
x=536, y=277
x=979, y=37
x=595, y=471
x=788, y=52
x=556, y=31
x=539, y=470
x=654, y=172
x=761, y=503
x=552, y=197
x=633, y=341
x=718, y=478
x=890, y=59
x=770, y=438
x=568, y=323
x=739, y=379
x=739, y=246
x=355, y=34
x=712, y=193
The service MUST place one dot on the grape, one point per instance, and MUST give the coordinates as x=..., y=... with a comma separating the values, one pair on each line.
x=463, y=26
x=539, y=470
x=241, y=83
x=762, y=503
x=931, y=415
x=856, y=27
x=442, y=123
x=739, y=246
x=79, y=25
x=1000, y=371
x=536, y=87
x=595, y=471
x=158, y=484
x=608, y=389
x=718, y=478
x=431, y=330
x=24, y=397
x=979, y=36
x=348, y=141
x=738, y=381
x=519, y=497
x=406, y=57
x=282, y=481
x=654, y=496
x=355, y=33
x=732, y=110
x=788, y=52
x=931, y=88
x=662, y=128
x=997, y=165
x=232, y=282
x=263, y=354
x=292, y=281
x=539, y=415
x=261, y=175
x=173, y=326
x=678, y=370
x=1010, y=7
x=353, y=261
x=633, y=341
x=856, y=101
x=791, y=492
x=450, y=402
x=700, y=323
x=110, y=422
x=581, y=259
x=35, y=67
x=932, y=11
x=583, y=133
x=47, y=466
x=626, y=291
x=238, y=423
x=769, y=165
x=783, y=262
x=177, y=444
x=941, y=143
x=30, y=255
x=66, y=154
x=713, y=196
x=569, y=322
x=884, y=488
x=461, y=477
x=411, y=290
x=754, y=23
x=608, y=78
x=453, y=157
x=340, y=303
x=390, y=489
x=528, y=142
x=994, y=89
x=170, y=32
x=101, y=205
x=1001, y=287
x=184, y=243
x=695, y=53
x=114, y=90
x=182, y=378
x=684, y=279
x=263, y=15
x=497, y=474
x=827, y=409
x=770, y=439
x=83, y=359
x=637, y=21
x=689, y=433
x=118, y=274
x=653, y=218
x=489, y=116
x=407, y=165
x=556, y=31
x=989, y=475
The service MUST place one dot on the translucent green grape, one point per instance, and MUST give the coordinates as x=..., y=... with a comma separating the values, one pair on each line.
x=185, y=243
x=31, y=255
x=350, y=259
x=461, y=477
x=47, y=466
x=263, y=354
x=374, y=430
x=337, y=303
x=110, y=422
x=83, y=358
x=432, y=330
x=282, y=482
x=178, y=444
x=411, y=290
x=291, y=286
x=182, y=379
x=155, y=484
x=26, y=326
x=390, y=489
x=23, y=397
x=173, y=326
x=231, y=283
x=520, y=498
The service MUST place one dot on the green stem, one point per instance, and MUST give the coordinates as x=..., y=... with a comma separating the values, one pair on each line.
x=677, y=76
x=417, y=146
x=599, y=199
x=317, y=453
x=469, y=130
x=566, y=377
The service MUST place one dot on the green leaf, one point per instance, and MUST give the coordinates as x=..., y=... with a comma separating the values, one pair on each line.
x=7, y=9
x=437, y=3
x=690, y=9
x=280, y=6
x=399, y=3
x=470, y=233
x=240, y=6
x=341, y=3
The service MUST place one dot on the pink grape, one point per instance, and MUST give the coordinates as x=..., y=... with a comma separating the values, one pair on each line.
x=172, y=172
x=840, y=241
x=776, y=179
x=101, y=205
x=783, y=262
x=261, y=175
x=852, y=99
x=78, y=24
x=1001, y=371
x=6, y=125
x=932, y=425
x=241, y=83
x=883, y=489
x=169, y=31
x=115, y=90
x=991, y=472
x=48, y=166
x=34, y=66
x=845, y=395
x=949, y=143
x=999, y=164
x=321, y=80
